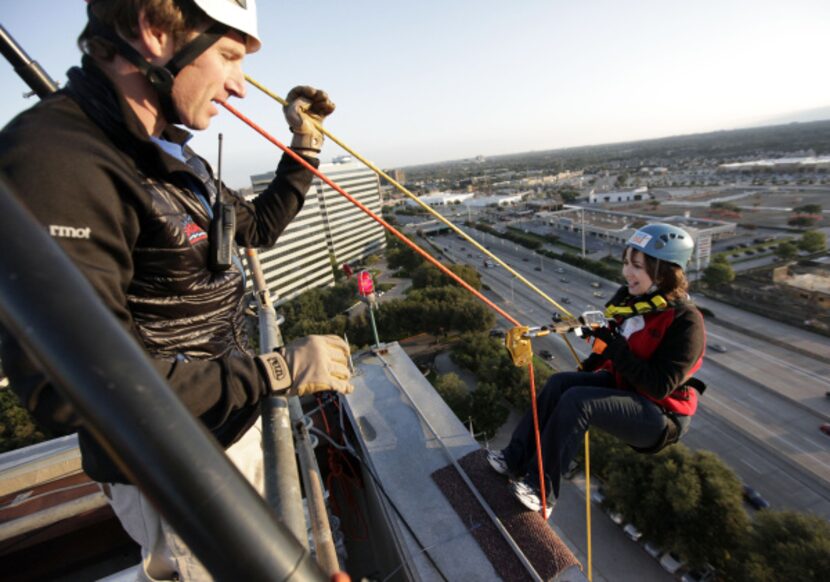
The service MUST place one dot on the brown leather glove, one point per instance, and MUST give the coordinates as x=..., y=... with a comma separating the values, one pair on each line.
x=314, y=363
x=305, y=111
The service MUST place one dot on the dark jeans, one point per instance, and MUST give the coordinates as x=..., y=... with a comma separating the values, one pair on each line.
x=571, y=402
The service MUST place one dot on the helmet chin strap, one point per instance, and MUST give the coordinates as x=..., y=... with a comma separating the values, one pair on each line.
x=160, y=77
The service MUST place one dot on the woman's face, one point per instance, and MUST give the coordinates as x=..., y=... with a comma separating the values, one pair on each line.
x=635, y=272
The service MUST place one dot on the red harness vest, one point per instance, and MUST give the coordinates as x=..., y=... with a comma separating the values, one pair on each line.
x=642, y=344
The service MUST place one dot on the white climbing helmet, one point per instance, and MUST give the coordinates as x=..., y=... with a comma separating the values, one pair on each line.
x=237, y=14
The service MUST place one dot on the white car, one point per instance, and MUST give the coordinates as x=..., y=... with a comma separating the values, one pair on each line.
x=597, y=496
x=671, y=563
x=616, y=517
x=632, y=532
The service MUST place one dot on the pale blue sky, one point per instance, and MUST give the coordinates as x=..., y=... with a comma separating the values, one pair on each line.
x=433, y=80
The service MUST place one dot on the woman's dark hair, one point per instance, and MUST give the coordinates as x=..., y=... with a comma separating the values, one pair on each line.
x=670, y=279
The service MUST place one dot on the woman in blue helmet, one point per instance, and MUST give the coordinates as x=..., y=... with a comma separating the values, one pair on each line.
x=636, y=385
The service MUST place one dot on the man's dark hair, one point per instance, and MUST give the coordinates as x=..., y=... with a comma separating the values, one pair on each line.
x=181, y=18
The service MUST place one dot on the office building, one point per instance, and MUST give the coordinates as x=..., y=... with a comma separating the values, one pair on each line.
x=329, y=230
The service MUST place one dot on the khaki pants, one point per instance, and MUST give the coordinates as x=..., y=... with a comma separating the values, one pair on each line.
x=164, y=554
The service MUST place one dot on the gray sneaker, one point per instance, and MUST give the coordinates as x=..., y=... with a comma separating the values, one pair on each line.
x=498, y=462
x=530, y=496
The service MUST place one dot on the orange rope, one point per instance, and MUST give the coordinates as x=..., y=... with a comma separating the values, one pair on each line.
x=426, y=256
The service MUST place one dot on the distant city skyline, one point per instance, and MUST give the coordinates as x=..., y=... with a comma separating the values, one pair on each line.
x=429, y=81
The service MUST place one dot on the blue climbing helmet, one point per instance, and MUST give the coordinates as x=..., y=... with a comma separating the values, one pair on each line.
x=664, y=242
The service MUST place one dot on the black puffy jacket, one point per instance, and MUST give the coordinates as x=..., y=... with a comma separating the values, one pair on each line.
x=124, y=211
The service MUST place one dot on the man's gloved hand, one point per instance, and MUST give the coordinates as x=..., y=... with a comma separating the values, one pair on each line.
x=311, y=364
x=307, y=105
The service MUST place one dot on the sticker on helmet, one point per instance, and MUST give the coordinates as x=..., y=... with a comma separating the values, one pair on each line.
x=639, y=238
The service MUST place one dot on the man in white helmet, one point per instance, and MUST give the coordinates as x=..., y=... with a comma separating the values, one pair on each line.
x=105, y=168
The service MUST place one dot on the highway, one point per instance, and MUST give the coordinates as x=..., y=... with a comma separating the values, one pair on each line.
x=765, y=399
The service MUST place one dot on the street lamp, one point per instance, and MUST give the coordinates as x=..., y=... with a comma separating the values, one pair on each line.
x=582, y=213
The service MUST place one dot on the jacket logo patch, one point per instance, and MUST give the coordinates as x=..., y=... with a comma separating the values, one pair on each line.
x=59, y=231
x=193, y=231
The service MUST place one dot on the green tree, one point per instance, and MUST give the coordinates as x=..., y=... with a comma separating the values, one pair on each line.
x=427, y=275
x=808, y=209
x=455, y=393
x=718, y=273
x=786, y=250
x=813, y=241
x=403, y=258
x=786, y=546
x=17, y=427
x=488, y=409
x=691, y=503
x=803, y=220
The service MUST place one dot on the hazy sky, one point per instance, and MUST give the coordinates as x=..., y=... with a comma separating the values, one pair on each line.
x=433, y=80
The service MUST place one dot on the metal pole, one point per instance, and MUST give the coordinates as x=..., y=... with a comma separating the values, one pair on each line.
x=372, y=319
x=317, y=513
x=282, y=480
x=28, y=70
x=279, y=414
x=582, y=213
x=132, y=413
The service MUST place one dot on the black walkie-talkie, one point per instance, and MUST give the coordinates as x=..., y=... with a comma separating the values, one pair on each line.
x=222, y=227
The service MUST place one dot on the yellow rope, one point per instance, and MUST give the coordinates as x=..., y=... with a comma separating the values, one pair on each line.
x=588, y=498
x=484, y=250
x=428, y=208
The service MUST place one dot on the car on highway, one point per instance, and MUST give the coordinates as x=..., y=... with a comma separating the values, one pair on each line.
x=825, y=428
x=754, y=498
x=705, y=574
x=717, y=348
x=596, y=284
x=525, y=259
x=598, y=294
x=653, y=550
x=632, y=532
x=597, y=496
x=564, y=300
x=671, y=562
x=546, y=355
x=537, y=268
x=560, y=270
x=616, y=517
x=563, y=280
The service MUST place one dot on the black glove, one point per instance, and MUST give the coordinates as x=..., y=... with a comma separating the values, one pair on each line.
x=613, y=341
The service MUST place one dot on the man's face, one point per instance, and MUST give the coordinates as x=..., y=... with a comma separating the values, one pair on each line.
x=216, y=74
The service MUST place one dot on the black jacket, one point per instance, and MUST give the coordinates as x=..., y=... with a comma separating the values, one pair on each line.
x=125, y=212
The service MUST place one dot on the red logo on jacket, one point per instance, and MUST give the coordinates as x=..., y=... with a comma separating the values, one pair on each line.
x=193, y=231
